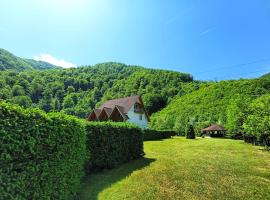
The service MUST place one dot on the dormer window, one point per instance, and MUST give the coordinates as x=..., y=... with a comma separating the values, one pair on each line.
x=138, y=108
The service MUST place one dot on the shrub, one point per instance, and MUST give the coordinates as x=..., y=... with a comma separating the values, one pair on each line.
x=41, y=156
x=190, y=133
x=149, y=134
x=257, y=124
x=110, y=144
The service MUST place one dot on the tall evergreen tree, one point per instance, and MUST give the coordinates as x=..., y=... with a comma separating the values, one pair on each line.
x=190, y=133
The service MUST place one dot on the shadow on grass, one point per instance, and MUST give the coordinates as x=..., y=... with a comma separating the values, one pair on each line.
x=96, y=183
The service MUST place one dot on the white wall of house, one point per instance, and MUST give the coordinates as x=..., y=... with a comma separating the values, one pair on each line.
x=136, y=119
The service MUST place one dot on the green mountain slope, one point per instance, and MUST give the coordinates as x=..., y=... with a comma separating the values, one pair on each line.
x=8, y=61
x=76, y=91
x=223, y=102
x=40, y=65
x=155, y=86
x=266, y=76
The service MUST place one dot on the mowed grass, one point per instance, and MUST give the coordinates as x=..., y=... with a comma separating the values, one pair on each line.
x=178, y=168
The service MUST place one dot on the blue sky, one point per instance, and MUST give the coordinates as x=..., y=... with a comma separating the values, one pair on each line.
x=212, y=39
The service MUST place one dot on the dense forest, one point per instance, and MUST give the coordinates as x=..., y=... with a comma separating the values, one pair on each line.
x=77, y=91
x=229, y=103
x=173, y=99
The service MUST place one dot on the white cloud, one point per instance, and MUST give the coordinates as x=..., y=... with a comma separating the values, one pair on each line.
x=55, y=61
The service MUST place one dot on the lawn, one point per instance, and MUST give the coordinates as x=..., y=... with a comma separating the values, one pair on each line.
x=178, y=168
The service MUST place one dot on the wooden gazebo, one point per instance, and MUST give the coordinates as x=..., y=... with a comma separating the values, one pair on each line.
x=214, y=130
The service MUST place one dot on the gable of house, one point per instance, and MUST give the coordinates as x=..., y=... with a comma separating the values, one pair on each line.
x=126, y=104
x=103, y=116
x=117, y=115
x=124, y=109
x=94, y=115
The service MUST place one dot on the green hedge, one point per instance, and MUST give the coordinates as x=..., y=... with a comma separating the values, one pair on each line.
x=149, y=134
x=41, y=156
x=110, y=144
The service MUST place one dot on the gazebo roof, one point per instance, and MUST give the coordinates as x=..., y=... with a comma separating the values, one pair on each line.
x=214, y=127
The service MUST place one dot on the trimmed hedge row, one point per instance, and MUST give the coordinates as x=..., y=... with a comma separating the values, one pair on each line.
x=41, y=156
x=110, y=144
x=149, y=134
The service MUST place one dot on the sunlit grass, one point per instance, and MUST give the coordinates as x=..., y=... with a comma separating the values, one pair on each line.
x=187, y=169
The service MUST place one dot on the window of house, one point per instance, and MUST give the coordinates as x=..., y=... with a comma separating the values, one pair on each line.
x=137, y=108
x=140, y=117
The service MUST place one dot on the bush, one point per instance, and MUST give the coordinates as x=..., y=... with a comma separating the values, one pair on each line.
x=110, y=144
x=149, y=134
x=41, y=156
x=257, y=124
x=190, y=133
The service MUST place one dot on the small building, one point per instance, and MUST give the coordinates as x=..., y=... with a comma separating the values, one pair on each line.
x=214, y=130
x=129, y=109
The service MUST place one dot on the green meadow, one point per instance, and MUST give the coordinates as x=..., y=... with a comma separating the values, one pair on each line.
x=177, y=168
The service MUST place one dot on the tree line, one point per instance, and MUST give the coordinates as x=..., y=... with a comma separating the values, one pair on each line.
x=78, y=91
x=242, y=106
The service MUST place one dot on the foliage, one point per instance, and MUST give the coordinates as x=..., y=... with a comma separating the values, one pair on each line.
x=236, y=113
x=42, y=156
x=224, y=103
x=50, y=151
x=155, y=86
x=149, y=134
x=110, y=144
x=23, y=101
x=257, y=124
x=9, y=61
x=78, y=91
x=266, y=76
x=190, y=133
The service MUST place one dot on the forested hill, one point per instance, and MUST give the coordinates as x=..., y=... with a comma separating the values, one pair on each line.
x=225, y=102
x=76, y=91
x=266, y=76
x=9, y=61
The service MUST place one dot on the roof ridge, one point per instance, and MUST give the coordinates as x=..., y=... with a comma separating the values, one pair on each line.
x=124, y=97
x=106, y=107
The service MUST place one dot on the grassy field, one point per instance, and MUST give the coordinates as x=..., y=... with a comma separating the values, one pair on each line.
x=187, y=169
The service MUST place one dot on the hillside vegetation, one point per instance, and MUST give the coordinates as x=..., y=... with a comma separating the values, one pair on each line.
x=77, y=91
x=10, y=62
x=185, y=101
x=227, y=103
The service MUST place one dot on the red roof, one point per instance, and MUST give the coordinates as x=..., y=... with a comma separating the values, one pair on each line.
x=214, y=127
x=124, y=104
x=120, y=111
x=97, y=111
x=108, y=110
